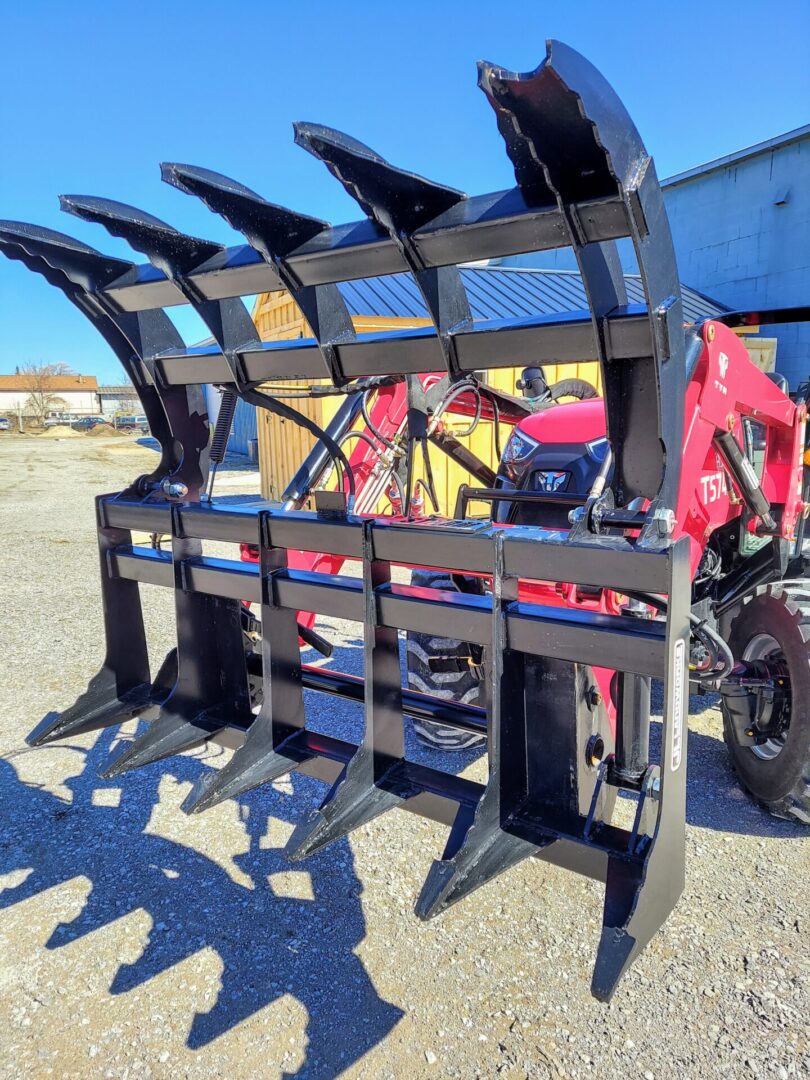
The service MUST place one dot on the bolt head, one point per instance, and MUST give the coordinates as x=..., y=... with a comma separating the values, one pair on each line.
x=174, y=489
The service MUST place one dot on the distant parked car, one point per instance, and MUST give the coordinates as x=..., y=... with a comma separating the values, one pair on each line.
x=87, y=423
x=5, y=423
x=133, y=423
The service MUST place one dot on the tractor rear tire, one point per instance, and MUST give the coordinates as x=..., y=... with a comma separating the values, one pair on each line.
x=775, y=621
x=462, y=686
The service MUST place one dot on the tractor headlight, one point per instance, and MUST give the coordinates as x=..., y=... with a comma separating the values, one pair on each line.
x=598, y=448
x=518, y=447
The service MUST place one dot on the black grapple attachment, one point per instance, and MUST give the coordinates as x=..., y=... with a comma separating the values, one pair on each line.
x=556, y=764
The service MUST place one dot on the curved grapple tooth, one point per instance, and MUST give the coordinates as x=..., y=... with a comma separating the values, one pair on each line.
x=272, y=230
x=566, y=130
x=59, y=258
x=157, y=240
x=388, y=195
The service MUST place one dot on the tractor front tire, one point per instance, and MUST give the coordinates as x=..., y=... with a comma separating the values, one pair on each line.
x=775, y=622
x=462, y=685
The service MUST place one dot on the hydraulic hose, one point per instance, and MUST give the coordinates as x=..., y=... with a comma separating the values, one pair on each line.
x=264, y=401
x=700, y=629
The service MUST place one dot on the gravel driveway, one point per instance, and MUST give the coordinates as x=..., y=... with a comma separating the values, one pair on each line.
x=138, y=942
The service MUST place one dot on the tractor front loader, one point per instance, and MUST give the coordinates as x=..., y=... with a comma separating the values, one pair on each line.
x=651, y=534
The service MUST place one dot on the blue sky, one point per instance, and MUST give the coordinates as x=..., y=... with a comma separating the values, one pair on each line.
x=94, y=96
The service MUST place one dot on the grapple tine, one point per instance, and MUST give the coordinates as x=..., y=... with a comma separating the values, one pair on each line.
x=100, y=706
x=377, y=778
x=252, y=765
x=275, y=232
x=142, y=231
x=272, y=230
x=399, y=202
x=271, y=747
x=390, y=196
x=568, y=133
x=487, y=852
x=355, y=800
x=170, y=734
x=176, y=254
x=50, y=253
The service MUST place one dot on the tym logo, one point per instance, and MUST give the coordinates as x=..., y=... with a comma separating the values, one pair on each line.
x=722, y=360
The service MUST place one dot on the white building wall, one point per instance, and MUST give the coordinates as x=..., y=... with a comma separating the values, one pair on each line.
x=76, y=401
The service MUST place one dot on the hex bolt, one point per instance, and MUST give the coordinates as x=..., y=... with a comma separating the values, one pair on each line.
x=174, y=488
x=710, y=332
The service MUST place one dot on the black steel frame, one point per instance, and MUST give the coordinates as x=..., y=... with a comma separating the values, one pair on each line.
x=583, y=179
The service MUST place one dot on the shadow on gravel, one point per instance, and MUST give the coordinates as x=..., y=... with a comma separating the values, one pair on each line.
x=270, y=945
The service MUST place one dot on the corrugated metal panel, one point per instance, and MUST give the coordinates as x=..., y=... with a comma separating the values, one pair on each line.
x=244, y=428
x=495, y=292
x=500, y=292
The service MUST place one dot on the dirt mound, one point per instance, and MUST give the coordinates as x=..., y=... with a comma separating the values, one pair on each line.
x=104, y=429
x=59, y=431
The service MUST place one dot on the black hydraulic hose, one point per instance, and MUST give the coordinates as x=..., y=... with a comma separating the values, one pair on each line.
x=467, y=387
x=712, y=640
x=264, y=401
x=368, y=422
x=360, y=435
x=315, y=390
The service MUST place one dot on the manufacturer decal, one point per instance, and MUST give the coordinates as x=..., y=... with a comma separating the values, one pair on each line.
x=678, y=703
x=552, y=481
x=714, y=486
x=722, y=360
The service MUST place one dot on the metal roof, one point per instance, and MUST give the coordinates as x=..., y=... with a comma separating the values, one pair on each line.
x=499, y=292
x=739, y=155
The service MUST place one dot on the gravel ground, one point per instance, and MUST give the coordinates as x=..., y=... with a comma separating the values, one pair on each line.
x=137, y=942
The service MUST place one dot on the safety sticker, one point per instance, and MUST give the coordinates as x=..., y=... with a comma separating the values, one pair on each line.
x=678, y=703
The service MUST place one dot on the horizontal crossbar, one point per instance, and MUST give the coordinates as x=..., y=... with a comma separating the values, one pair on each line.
x=483, y=226
x=626, y=644
x=496, y=343
x=530, y=553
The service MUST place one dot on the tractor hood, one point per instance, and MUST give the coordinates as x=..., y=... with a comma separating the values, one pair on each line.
x=573, y=422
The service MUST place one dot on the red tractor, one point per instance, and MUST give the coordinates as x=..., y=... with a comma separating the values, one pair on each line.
x=652, y=534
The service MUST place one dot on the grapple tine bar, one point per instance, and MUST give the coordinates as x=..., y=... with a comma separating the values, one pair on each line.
x=376, y=778
x=176, y=255
x=212, y=686
x=568, y=133
x=486, y=849
x=398, y=202
x=270, y=749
